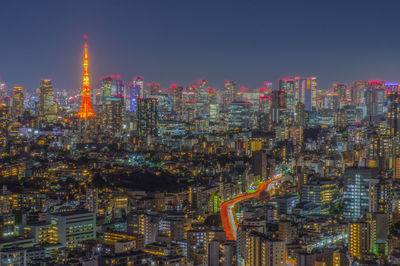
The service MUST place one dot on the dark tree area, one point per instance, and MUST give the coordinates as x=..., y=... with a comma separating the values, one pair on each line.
x=395, y=229
x=148, y=181
x=213, y=220
x=311, y=133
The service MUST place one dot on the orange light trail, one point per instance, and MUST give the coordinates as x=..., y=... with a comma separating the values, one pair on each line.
x=230, y=228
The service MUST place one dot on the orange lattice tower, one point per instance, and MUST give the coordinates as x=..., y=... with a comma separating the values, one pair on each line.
x=86, y=110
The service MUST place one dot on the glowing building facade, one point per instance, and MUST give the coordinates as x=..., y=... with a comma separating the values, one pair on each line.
x=356, y=191
x=147, y=115
x=112, y=108
x=136, y=90
x=265, y=251
x=47, y=107
x=17, y=104
x=393, y=114
x=306, y=91
x=86, y=109
x=359, y=239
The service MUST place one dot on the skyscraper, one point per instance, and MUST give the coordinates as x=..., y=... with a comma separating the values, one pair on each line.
x=4, y=120
x=259, y=163
x=393, y=113
x=176, y=93
x=112, y=108
x=147, y=116
x=47, y=107
x=136, y=90
x=238, y=115
x=189, y=104
x=286, y=85
x=229, y=92
x=86, y=110
x=374, y=98
x=306, y=91
x=17, y=102
x=341, y=91
x=278, y=104
x=112, y=114
x=356, y=191
x=3, y=93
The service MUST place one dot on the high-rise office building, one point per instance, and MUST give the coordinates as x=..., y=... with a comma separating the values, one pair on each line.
x=203, y=100
x=189, y=101
x=112, y=87
x=319, y=191
x=380, y=196
x=214, y=113
x=278, y=105
x=259, y=163
x=4, y=121
x=300, y=114
x=154, y=89
x=136, y=91
x=112, y=114
x=306, y=91
x=176, y=93
x=287, y=86
x=147, y=116
x=238, y=115
x=3, y=93
x=47, y=106
x=393, y=112
x=229, y=93
x=374, y=99
x=356, y=191
x=357, y=91
x=112, y=108
x=17, y=102
x=341, y=91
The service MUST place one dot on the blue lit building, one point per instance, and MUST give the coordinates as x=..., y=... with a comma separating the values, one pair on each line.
x=136, y=87
x=356, y=191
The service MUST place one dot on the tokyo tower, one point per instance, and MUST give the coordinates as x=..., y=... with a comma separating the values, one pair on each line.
x=86, y=110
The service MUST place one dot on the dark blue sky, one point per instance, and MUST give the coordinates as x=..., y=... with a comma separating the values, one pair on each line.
x=184, y=40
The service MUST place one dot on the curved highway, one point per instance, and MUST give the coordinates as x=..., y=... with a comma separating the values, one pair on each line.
x=228, y=218
x=227, y=215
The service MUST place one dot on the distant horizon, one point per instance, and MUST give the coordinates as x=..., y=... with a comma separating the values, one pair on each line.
x=274, y=85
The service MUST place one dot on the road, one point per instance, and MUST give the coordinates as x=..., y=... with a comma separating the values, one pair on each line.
x=227, y=212
x=228, y=217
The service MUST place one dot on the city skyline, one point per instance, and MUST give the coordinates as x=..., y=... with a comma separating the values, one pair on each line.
x=183, y=42
x=199, y=133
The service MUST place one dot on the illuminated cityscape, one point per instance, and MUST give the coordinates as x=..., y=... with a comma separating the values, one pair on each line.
x=212, y=134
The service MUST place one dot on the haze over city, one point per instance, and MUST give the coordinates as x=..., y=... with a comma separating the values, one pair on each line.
x=181, y=41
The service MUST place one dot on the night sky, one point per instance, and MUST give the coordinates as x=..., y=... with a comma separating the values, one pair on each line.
x=171, y=41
